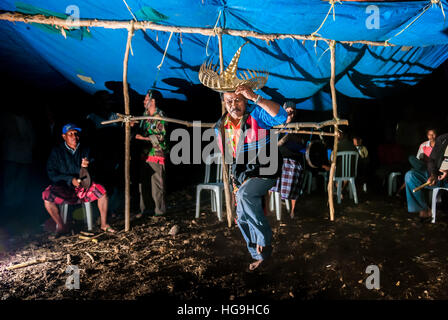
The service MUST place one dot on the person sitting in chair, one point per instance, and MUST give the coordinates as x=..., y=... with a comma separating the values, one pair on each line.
x=436, y=174
x=419, y=162
x=63, y=168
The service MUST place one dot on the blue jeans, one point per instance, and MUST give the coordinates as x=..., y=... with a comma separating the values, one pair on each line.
x=417, y=164
x=414, y=178
x=251, y=219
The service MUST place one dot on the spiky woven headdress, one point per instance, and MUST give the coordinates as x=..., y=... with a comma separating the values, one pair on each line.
x=228, y=80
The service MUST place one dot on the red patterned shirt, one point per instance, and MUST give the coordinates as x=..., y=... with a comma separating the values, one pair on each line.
x=232, y=132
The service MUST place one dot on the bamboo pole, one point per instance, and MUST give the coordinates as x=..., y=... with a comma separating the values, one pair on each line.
x=329, y=134
x=230, y=208
x=335, y=117
x=125, y=24
x=122, y=117
x=290, y=129
x=314, y=125
x=127, y=163
x=289, y=126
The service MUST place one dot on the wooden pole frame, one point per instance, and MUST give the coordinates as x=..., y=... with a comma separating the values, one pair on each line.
x=143, y=25
x=136, y=25
x=127, y=143
x=230, y=208
x=211, y=125
x=288, y=127
x=336, y=136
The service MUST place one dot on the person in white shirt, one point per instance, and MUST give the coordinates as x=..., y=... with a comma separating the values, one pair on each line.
x=419, y=161
x=425, y=149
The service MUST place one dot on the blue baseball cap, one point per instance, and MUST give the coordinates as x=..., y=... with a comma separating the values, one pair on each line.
x=70, y=126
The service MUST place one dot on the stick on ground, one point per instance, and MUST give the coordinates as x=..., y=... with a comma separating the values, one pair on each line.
x=30, y=263
x=91, y=258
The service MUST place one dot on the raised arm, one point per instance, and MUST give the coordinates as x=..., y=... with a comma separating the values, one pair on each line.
x=271, y=107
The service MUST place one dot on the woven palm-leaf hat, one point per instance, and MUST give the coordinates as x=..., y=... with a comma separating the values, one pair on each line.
x=228, y=81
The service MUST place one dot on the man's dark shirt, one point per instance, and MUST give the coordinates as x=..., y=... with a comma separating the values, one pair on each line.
x=63, y=166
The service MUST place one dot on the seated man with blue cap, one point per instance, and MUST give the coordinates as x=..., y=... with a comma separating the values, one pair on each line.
x=71, y=184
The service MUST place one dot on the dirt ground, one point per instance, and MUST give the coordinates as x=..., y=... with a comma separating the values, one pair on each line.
x=313, y=258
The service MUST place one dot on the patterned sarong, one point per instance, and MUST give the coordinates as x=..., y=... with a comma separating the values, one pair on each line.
x=291, y=180
x=62, y=194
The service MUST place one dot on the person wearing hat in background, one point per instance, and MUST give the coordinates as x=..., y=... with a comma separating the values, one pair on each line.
x=246, y=137
x=63, y=168
x=290, y=145
x=155, y=151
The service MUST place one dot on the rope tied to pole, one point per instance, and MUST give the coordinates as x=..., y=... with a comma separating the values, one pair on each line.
x=438, y=2
x=215, y=31
x=322, y=54
x=129, y=9
x=166, y=49
x=161, y=62
x=332, y=3
x=124, y=118
x=426, y=8
x=135, y=19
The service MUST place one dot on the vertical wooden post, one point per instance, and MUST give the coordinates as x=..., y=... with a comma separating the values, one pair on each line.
x=335, y=117
x=230, y=208
x=127, y=143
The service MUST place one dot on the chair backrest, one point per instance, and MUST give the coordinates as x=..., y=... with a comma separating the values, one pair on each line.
x=214, y=158
x=348, y=168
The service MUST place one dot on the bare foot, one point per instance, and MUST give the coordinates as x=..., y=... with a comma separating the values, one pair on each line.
x=255, y=265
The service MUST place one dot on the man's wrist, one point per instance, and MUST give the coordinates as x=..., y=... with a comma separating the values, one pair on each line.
x=257, y=99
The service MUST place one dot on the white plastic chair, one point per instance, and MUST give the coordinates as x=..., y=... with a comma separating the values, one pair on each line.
x=435, y=191
x=87, y=207
x=216, y=187
x=275, y=202
x=347, y=173
x=392, y=182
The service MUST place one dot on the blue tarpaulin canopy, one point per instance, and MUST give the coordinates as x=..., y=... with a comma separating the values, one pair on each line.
x=298, y=70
